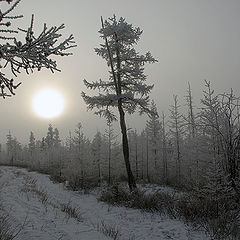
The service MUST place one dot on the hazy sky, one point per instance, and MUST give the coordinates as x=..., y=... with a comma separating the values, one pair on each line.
x=192, y=39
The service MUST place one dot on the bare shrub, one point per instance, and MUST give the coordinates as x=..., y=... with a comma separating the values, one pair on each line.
x=118, y=195
x=6, y=230
x=42, y=195
x=219, y=219
x=146, y=202
x=188, y=208
x=19, y=173
x=77, y=182
x=110, y=230
x=31, y=186
x=71, y=211
x=224, y=225
x=56, y=178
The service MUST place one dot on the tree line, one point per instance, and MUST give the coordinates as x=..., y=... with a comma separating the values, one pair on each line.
x=192, y=148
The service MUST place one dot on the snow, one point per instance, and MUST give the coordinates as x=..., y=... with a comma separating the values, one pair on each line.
x=153, y=188
x=45, y=220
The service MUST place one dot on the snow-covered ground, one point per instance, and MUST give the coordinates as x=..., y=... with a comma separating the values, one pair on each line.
x=39, y=206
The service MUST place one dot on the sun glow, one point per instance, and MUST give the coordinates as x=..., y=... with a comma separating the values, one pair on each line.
x=48, y=103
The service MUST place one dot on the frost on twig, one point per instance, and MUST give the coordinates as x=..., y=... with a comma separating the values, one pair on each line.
x=35, y=52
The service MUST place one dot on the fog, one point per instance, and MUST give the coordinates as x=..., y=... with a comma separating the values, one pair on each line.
x=192, y=40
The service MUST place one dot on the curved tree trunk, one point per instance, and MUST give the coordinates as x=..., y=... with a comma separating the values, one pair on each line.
x=131, y=179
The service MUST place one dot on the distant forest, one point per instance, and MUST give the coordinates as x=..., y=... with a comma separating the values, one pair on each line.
x=198, y=149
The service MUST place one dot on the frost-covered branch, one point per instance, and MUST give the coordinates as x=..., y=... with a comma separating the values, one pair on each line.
x=35, y=52
x=6, y=1
x=100, y=85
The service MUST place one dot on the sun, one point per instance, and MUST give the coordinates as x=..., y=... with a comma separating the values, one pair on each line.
x=48, y=103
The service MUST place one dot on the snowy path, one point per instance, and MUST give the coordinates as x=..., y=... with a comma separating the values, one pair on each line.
x=32, y=198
